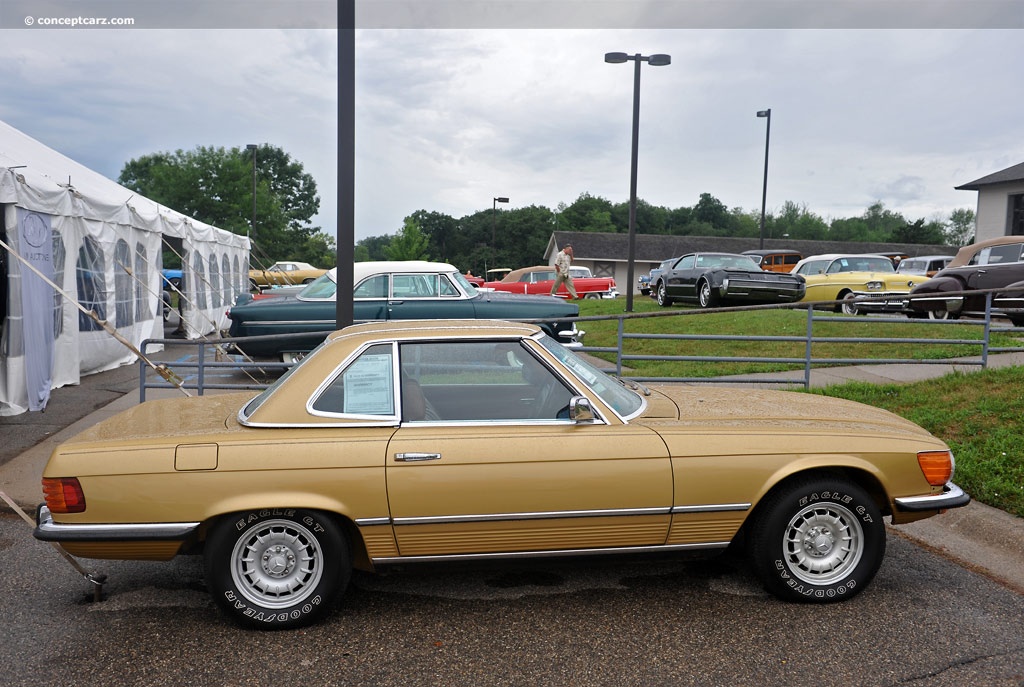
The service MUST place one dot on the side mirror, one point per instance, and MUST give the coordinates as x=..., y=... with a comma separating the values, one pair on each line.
x=580, y=409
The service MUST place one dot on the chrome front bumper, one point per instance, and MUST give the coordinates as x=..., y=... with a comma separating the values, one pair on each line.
x=952, y=496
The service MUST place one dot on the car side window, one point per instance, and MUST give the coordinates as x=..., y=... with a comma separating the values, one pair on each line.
x=1003, y=254
x=365, y=388
x=479, y=381
x=414, y=286
x=686, y=263
x=373, y=287
x=447, y=288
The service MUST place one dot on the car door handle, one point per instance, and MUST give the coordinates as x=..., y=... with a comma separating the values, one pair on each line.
x=416, y=457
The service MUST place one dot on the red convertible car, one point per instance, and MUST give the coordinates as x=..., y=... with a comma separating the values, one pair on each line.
x=540, y=279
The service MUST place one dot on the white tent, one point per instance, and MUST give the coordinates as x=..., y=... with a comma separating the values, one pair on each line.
x=102, y=244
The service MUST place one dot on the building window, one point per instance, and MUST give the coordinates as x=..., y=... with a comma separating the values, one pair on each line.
x=142, y=312
x=199, y=281
x=59, y=257
x=1016, y=223
x=225, y=275
x=604, y=269
x=124, y=291
x=92, y=286
x=214, y=282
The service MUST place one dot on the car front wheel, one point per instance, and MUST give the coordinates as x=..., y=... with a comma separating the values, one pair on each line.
x=663, y=299
x=276, y=569
x=849, y=306
x=817, y=540
x=706, y=295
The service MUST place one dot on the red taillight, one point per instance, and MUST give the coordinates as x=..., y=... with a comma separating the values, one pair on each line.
x=937, y=466
x=63, y=494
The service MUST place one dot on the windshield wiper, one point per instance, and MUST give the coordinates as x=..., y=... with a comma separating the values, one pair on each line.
x=634, y=385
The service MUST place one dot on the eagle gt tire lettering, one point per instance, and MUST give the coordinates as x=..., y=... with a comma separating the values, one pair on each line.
x=818, y=540
x=276, y=569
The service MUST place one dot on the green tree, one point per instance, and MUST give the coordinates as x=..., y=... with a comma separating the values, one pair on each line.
x=960, y=230
x=587, y=213
x=919, y=232
x=410, y=243
x=215, y=186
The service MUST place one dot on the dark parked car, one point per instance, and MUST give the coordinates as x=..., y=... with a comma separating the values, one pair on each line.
x=646, y=281
x=713, y=279
x=402, y=290
x=991, y=264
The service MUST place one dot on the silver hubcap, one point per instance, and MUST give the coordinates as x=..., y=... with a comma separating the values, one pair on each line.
x=705, y=295
x=823, y=543
x=277, y=564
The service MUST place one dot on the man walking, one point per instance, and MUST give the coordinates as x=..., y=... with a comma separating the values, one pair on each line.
x=563, y=260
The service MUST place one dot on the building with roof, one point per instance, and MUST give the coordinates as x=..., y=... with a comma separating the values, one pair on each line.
x=1000, y=203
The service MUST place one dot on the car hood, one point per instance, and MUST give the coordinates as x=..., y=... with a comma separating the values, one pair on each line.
x=770, y=412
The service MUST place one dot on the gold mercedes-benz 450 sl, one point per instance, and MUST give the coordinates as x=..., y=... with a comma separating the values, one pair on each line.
x=418, y=441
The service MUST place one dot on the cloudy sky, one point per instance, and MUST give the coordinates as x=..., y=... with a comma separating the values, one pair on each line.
x=454, y=109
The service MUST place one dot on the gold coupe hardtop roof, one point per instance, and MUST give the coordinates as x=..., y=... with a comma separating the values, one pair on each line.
x=407, y=329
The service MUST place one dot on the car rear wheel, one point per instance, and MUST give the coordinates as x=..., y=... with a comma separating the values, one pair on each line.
x=706, y=295
x=276, y=569
x=663, y=298
x=817, y=540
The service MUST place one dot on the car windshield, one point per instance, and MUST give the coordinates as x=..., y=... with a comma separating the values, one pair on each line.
x=625, y=402
x=321, y=288
x=742, y=263
x=461, y=280
x=861, y=263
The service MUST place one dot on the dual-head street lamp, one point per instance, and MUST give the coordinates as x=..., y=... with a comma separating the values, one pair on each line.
x=654, y=61
x=764, y=188
x=494, y=226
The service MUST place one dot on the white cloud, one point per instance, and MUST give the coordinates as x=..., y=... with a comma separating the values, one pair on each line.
x=447, y=119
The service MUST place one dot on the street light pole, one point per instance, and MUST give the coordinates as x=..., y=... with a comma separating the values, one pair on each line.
x=252, y=223
x=764, y=188
x=654, y=61
x=494, y=227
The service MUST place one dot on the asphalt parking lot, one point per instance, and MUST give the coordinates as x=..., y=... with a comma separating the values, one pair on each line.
x=655, y=621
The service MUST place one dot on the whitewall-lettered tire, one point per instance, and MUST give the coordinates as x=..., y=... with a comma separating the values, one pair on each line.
x=277, y=569
x=817, y=540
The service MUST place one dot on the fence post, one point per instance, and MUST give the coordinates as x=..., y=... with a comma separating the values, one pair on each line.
x=618, y=354
x=988, y=330
x=202, y=370
x=807, y=348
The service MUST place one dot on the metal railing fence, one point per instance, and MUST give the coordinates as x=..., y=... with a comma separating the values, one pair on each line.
x=213, y=356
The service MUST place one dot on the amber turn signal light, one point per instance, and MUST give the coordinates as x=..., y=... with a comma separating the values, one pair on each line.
x=937, y=466
x=63, y=494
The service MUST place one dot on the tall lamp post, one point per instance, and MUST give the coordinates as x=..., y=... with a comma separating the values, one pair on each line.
x=767, y=114
x=654, y=61
x=494, y=227
x=252, y=223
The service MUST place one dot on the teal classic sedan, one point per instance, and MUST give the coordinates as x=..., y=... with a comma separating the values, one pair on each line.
x=396, y=290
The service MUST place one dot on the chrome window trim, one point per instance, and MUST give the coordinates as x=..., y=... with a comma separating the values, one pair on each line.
x=555, y=553
x=396, y=394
